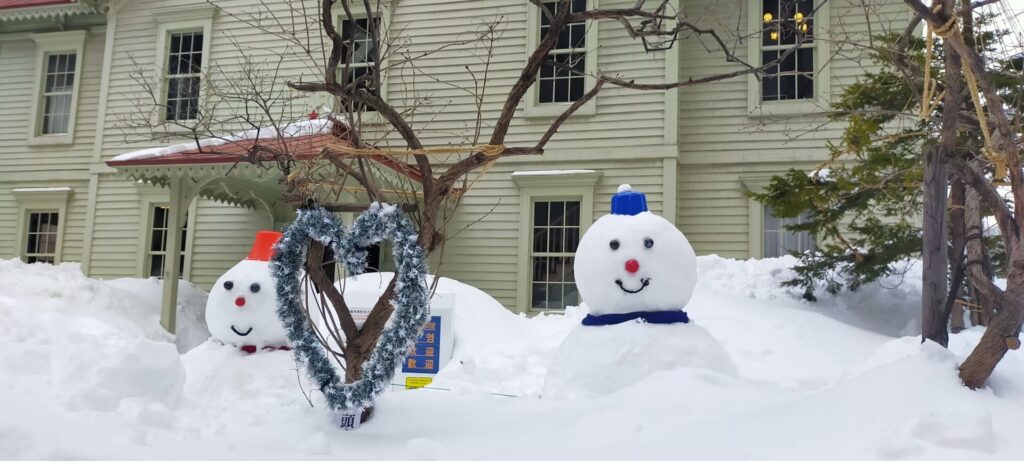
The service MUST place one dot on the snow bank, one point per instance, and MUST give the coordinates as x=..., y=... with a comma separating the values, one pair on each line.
x=890, y=306
x=86, y=373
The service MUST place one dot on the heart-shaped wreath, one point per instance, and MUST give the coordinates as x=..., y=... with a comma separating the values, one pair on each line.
x=411, y=298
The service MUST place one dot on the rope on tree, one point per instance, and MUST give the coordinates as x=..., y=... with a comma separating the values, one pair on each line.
x=489, y=150
x=929, y=102
x=411, y=297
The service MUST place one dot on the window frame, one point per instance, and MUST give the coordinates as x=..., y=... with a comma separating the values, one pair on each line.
x=533, y=106
x=822, y=67
x=49, y=44
x=534, y=199
x=150, y=197
x=781, y=230
x=370, y=117
x=570, y=185
x=147, y=264
x=41, y=200
x=178, y=20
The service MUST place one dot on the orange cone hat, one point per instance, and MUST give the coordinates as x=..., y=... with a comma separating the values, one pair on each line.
x=263, y=247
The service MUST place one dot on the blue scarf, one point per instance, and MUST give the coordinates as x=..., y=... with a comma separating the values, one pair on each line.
x=648, y=316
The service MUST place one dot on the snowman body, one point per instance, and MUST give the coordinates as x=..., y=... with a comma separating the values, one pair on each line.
x=636, y=272
x=242, y=307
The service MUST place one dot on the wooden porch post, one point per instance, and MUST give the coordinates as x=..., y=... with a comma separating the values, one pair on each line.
x=178, y=207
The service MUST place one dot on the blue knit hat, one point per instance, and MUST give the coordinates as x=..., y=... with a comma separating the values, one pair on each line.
x=629, y=203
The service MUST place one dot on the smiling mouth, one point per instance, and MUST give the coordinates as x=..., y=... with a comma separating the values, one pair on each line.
x=643, y=284
x=239, y=333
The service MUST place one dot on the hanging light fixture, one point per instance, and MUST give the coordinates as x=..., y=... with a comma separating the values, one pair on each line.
x=768, y=17
x=774, y=35
x=798, y=16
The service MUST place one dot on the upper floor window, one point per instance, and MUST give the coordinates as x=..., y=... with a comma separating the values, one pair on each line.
x=563, y=75
x=780, y=241
x=58, y=78
x=785, y=24
x=184, y=68
x=58, y=89
x=359, y=50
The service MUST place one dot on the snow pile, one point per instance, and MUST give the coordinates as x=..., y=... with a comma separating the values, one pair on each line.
x=890, y=306
x=86, y=373
x=291, y=130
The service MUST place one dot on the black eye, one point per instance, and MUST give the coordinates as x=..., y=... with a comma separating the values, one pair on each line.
x=614, y=244
x=229, y=285
x=648, y=242
x=255, y=287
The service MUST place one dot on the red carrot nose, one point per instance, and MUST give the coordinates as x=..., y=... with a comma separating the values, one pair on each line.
x=240, y=301
x=632, y=266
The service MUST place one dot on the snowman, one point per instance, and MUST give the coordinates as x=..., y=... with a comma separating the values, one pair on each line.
x=242, y=307
x=636, y=272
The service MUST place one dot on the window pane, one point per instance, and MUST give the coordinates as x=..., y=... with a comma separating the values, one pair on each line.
x=156, y=266
x=538, y=298
x=540, y=240
x=540, y=268
x=572, y=239
x=557, y=213
x=540, y=213
x=555, y=296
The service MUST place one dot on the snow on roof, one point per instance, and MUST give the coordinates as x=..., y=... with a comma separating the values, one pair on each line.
x=551, y=172
x=7, y=4
x=291, y=130
x=42, y=189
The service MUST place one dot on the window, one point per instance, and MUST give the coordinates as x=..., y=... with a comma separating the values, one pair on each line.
x=556, y=233
x=556, y=82
x=58, y=89
x=359, y=44
x=184, y=67
x=779, y=241
x=41, y=239
x=157, y=257
x=786, y=23
x=59, y=70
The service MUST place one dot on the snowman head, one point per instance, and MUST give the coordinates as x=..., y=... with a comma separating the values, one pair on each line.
x=242, y=307
x=633, y=260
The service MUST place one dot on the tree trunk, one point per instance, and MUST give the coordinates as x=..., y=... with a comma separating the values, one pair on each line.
x=977, y=264
x=933, y=250
x=1000, y=336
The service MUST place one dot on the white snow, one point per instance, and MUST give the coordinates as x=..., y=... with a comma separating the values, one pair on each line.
x=242, y=307
x=662, y=278
x=290, y=130
x=550, y=172
x=86, y=373
x=41, y=189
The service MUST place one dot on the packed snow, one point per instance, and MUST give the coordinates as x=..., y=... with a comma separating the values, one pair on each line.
x=87, y=373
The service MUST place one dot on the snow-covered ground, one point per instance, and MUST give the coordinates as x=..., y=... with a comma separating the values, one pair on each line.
x=86, y=373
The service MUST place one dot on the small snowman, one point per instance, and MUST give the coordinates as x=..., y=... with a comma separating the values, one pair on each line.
x=242, y=307
x=636, y=272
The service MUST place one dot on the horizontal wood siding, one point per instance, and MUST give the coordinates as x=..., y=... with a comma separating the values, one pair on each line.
x=722, y=140
x=223, y=236
x=485, y=248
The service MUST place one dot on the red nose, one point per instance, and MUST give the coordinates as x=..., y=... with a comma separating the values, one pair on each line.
x=632, y=266
x=240, y=301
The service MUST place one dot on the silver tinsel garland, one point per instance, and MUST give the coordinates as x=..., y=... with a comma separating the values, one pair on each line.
x=411, y=297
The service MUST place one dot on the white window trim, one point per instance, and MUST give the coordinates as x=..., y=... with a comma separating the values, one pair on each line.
x=822, y=68
x=569, y=185
x=553, y=109
x=148, y=198
x=359, y=12
x=180, y=20
x=47, y=44
x=50, y=199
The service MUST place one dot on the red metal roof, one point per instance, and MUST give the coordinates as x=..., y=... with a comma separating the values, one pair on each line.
x=10, y=4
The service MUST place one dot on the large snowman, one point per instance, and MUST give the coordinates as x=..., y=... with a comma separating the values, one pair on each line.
x=242, y=307
x=636, y=272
